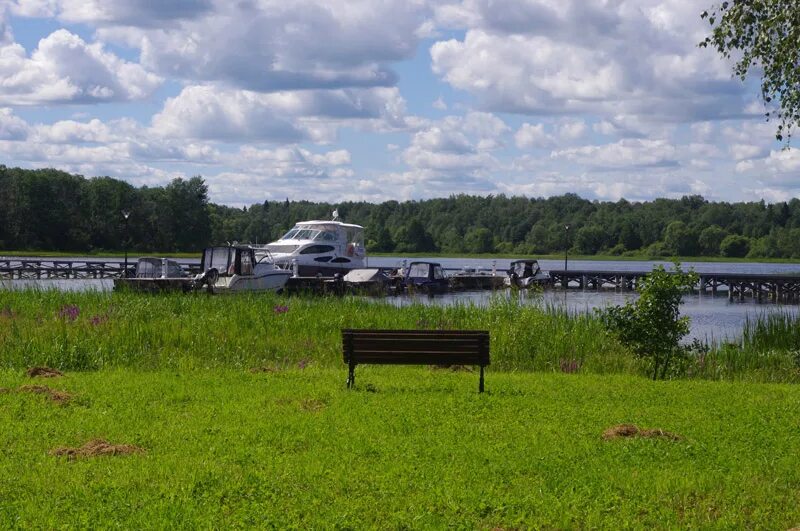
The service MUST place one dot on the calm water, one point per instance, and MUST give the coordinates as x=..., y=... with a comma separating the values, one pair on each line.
x=712, y=318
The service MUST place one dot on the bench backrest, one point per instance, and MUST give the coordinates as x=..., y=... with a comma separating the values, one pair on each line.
x=416, y=347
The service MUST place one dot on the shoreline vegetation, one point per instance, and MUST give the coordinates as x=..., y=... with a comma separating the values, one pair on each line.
x=93, y=330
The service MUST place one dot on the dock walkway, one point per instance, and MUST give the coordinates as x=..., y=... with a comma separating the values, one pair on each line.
x=739, y=286
x=24, y=269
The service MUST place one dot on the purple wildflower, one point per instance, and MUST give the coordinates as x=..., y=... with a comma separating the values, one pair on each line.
x=280, y=309
x=570, y=366
x=97, y=320
x=69, y=312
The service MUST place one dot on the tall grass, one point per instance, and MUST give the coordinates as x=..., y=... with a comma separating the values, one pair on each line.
x=92, y=330
x=769, y=351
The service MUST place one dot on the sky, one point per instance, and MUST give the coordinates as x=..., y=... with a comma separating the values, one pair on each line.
x=335, y=100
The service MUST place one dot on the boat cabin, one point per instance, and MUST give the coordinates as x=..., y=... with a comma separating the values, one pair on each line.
x=524, y=268
x=319, y=247
x=229, y=260
x=152, y=267
x=426, y=276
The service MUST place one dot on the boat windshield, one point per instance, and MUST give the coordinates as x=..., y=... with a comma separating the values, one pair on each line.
x=418, y=271
x=289, y=235
x=217, y=257
x=325, y=236
x=300, y=234
x=526, y=269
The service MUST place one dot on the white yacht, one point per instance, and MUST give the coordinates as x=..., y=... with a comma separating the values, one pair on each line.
x=318, y=248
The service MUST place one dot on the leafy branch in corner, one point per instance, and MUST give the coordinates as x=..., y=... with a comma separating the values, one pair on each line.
x=767, y=35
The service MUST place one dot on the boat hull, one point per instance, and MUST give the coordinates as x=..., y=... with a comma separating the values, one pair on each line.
x=273, y=281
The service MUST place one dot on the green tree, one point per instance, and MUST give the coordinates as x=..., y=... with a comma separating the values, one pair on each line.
x=590, y=239
x=383, y=242
x=629, y=236
x=735, y=246
x=652, y=325
x=763, y=35
x=479, y=240
x=414, y=238
x=187, y=203
x=710, y=239
x=680, y=240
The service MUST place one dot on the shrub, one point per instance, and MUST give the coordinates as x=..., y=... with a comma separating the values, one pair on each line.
x=652, y=325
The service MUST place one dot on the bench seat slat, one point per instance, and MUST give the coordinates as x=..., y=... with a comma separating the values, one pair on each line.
x=430, y=345
x=372, y=354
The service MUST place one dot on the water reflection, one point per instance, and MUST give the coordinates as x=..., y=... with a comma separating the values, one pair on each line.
x=713, y=319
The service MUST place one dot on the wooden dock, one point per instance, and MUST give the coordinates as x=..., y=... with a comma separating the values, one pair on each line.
x=737, y=286
x=779, y=288
x=23, y=269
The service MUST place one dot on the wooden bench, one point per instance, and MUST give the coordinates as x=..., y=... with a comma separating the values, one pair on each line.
x=415, y=347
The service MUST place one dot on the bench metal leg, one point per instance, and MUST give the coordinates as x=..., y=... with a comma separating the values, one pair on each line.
x=480, y=384
x=351, y=376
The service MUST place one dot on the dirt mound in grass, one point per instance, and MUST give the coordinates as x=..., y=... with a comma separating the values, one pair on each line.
x=312, y=404
x=97, y=447
x=43, y=372
x=630, y=430
x=258, y=370
x=59, y=397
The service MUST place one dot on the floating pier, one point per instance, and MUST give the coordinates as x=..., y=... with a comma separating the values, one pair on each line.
x=22, y=269
x=780, y=288
x=738, y=286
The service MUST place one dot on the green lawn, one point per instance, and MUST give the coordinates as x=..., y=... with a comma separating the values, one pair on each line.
x=408, y=448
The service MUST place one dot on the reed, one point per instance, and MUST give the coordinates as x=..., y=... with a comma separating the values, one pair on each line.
x=93, y=330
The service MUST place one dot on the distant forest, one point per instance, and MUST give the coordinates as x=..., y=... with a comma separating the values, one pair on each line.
x=49, y=210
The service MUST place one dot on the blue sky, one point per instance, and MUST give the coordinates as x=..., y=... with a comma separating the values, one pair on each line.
x=386, y=99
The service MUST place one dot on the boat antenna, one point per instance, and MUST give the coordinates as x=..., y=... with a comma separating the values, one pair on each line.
x=335, y=215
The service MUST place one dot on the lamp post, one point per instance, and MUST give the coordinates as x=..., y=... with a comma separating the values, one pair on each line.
x=126, y=214
x=566, y=259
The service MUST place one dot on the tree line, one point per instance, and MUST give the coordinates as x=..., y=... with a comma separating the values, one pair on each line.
x=49, y=210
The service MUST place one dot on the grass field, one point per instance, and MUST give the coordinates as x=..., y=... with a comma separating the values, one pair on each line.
x=408, y=448
x=289, y=446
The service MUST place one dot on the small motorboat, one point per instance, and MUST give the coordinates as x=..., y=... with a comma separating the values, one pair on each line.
x=426, y=277
x=474, y=278
x=525, y=274
x=155, y=275
x=229, y=269
x=367, y=281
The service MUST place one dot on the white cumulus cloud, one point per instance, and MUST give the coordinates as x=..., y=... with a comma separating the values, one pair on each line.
x=66, y=69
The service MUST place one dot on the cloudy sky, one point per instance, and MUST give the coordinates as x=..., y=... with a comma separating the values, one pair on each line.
x=385, y=99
